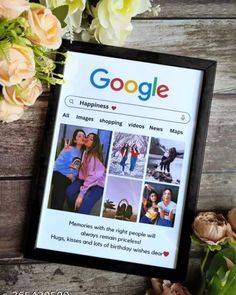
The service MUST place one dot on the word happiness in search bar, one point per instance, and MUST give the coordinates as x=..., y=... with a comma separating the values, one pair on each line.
x=127, y=109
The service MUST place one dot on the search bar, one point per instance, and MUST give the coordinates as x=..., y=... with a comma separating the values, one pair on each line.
x=127, y=109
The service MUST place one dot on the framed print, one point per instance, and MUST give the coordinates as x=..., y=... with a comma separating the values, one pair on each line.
x=120, y=168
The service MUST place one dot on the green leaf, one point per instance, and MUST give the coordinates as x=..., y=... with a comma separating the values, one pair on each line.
x=195, y=240
x=61, y=13
x=4, y=48
x=218, y=263
x=230, y=286
x=232, y=243
x=214, y=247
x=214, y=287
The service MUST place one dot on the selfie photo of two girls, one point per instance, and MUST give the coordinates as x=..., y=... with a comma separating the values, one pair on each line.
x=79, y=171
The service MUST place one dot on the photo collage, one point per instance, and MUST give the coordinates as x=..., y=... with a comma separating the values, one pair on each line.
x=116, y=175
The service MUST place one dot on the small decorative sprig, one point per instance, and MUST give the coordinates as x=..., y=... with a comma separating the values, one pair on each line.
x=29, y=35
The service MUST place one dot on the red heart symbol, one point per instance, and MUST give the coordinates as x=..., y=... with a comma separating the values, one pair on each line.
x=165, y=253
x=113, y=108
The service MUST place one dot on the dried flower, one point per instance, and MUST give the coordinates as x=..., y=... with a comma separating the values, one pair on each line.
x=164, y=287
x=211, y=228
x=232, y=218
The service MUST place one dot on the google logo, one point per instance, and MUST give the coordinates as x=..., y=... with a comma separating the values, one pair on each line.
x=99, y=78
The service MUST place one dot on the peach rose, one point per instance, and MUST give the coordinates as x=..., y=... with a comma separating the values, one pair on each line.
x=9, y=112
x=46, y=28
x=17, y=66
x=11, y=9
x=24, y=93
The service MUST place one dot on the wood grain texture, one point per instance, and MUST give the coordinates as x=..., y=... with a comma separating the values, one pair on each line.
x=21, y=141
x=194, y=9
x=17, y=157
x=14, y=196
x=221, y=139
x=44, y=277
x=74, y=280
x=202, y=38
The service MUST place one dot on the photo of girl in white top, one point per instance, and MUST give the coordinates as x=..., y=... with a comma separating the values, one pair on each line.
x=166, y=209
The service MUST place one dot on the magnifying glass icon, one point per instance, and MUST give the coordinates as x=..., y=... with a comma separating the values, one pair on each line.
x=71, y=101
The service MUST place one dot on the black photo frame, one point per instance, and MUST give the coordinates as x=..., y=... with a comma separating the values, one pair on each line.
x=37, y=201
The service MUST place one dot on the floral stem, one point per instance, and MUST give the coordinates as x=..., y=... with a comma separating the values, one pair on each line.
x=204, y=260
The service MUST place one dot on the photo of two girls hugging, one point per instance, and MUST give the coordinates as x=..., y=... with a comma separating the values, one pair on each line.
x=79, y=170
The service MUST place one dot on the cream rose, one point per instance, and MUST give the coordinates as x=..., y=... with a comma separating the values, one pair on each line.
x=211, y=228
x=11, y=9
x=17, y=66
x=73, y=4
x=112, y=19
x=24, y=93
x=46, y=28
x=9, y=112
x=74, y=17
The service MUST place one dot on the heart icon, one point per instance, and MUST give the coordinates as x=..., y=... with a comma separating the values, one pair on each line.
x=165, y=253
x=113, y=108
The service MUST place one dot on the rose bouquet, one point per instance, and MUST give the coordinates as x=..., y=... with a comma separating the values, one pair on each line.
x=30, y=31
x=28, y=34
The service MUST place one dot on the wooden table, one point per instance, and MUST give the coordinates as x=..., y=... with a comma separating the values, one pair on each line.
x=205, y=29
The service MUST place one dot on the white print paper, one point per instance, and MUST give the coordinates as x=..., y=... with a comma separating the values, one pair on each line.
x=145, y=117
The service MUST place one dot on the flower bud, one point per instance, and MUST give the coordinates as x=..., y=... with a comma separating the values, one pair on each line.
x=211, y=228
